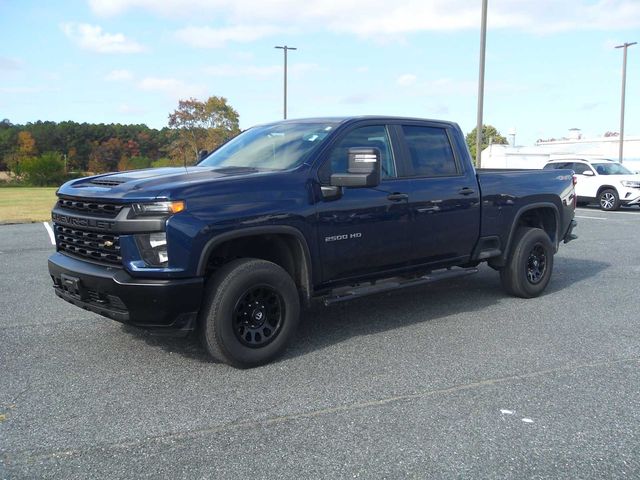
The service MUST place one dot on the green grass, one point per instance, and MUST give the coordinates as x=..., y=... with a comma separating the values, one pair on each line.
x=26, y=204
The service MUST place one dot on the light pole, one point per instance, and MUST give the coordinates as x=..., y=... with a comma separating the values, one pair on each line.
x=483, y=44
x=286, y=49
x=624, y=85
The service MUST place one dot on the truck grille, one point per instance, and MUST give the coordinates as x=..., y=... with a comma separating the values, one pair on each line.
x=100, y=247
x=109, y=210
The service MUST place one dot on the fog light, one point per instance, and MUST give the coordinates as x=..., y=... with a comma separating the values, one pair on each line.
x=153, y=249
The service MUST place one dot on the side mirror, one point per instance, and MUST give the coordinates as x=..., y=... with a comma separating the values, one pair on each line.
x=202, y=154
x=588, y=173
x=363, y=170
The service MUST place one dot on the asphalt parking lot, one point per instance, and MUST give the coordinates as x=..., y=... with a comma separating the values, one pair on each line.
x=452, y=380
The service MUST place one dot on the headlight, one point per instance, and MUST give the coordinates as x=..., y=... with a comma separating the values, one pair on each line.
x=153, y=248
x=158, y=209
x=630, y=183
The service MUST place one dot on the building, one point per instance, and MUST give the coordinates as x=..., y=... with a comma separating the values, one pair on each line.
x=511, y=156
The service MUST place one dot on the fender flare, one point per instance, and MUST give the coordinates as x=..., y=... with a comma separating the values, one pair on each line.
x=518, y=216
x=256, y=231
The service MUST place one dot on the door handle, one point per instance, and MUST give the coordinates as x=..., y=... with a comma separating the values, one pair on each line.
x=466, y=191
x=397, y=197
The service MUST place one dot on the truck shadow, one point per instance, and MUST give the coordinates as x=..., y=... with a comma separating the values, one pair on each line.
x=188, y=346
x=322, y=326
x=325, y=326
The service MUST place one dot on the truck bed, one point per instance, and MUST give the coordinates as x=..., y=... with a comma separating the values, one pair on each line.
x=506, y=192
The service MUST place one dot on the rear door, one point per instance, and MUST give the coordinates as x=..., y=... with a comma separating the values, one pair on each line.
x=363, y=230
x=587, y=186
x=445, y=197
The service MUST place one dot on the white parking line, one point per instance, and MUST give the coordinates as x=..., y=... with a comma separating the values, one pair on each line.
x=594, y=218
x=50, y=232
x=624, y=213
x=616, y=212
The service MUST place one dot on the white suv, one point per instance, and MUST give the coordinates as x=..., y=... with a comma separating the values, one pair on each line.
x=604, y=181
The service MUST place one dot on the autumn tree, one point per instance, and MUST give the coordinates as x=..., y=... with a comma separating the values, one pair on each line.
x=105, y=156
x=25, y=150
x=490, y=134
x=26, y=144
x=201, y=125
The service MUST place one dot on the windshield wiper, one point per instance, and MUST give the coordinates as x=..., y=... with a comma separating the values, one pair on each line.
x=233, y=169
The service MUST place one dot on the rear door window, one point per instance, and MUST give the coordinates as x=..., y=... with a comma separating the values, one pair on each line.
x=580, y=168
x=430, y=152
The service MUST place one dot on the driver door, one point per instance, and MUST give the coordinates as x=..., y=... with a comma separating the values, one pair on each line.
x=363, y=230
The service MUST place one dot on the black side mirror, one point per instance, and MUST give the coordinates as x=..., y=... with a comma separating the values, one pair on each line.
x=363, y=170
x=202, y=154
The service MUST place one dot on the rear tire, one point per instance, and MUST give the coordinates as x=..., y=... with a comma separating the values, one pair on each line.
x=251, y=311
x=529, y=265
x=609, y=200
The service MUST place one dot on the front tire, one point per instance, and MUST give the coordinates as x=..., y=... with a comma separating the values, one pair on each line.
x=530, y=263
x=251, y=311
x=609, y=200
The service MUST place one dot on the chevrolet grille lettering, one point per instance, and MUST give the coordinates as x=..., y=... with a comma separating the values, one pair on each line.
x=82, y=222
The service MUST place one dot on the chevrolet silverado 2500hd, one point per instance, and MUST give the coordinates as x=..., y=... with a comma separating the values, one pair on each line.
x=330, y=208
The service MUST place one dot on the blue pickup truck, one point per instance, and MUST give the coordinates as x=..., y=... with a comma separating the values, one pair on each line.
x=326, y=208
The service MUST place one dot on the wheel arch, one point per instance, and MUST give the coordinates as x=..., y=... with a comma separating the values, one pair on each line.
x=283, y=245
x=607, y=187
x=543, y=215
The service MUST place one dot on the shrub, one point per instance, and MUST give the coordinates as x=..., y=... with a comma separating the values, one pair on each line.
x=47, y=169
x=166, y=162
x=13, y=161
x=139, y=162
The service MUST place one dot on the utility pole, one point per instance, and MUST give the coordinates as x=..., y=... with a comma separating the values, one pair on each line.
x=286, y=49
x=624, y=86
x=483, y=45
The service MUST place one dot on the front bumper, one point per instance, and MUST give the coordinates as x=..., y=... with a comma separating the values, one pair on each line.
x=113, y=293
x=630, y=201
x=629, y=195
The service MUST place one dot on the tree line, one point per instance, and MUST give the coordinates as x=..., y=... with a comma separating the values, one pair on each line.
x=47, y=153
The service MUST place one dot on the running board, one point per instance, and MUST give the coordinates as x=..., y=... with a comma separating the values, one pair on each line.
x=348, y=293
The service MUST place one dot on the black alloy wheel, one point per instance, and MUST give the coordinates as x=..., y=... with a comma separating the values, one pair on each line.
x=250, y=312
x=258, y=316
x=530, y=263
x=536, y=264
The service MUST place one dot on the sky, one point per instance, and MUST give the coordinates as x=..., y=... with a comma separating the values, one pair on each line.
x=551, y=65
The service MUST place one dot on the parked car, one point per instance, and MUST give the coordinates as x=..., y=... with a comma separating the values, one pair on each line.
x=320, y=208
x=604, y=181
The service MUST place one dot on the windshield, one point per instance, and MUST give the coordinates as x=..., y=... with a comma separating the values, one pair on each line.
x=610, y=168
x=274, y=147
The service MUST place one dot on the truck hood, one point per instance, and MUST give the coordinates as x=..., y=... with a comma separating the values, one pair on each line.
x=149, y=183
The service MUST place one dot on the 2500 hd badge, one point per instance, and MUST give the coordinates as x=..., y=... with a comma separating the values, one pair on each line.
x=346, y=236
